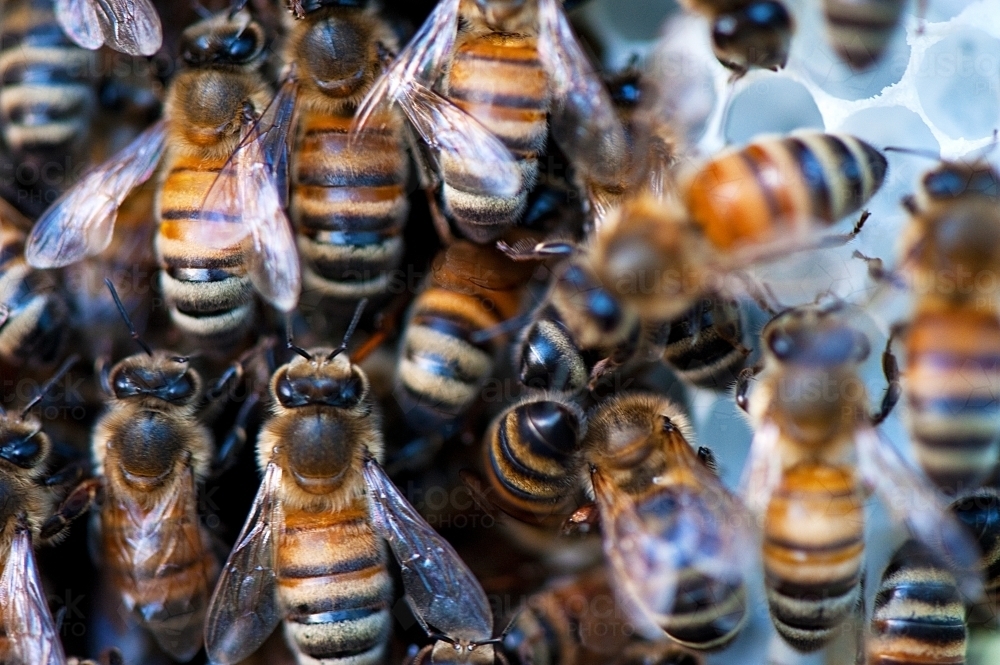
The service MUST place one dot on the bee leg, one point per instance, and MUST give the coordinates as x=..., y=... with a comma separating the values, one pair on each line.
x=890, y=368
x=422, y=657
x=878, y=272
x=67, y=475
x=441, y=224
x=76, y=503
x=229, y=451
x=844, y=238
x=526, y=250
x=583, y=520
x=743, y=385
x=480, y=492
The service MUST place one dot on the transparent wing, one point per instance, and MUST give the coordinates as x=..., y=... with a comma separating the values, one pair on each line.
x=452, y=133
x=24, y=609
x=247, y=201
x=129, y=26
x=81, y=222
x=420, y=60
x=443, y=592
x=911, y=499
x=244, y=608
x=151, y=542
x=762, y=469
x=79, y=20
x=583, y=117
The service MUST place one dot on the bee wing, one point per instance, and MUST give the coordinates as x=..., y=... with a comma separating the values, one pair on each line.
x=246, y=200
x=244, y=609
x=24, y=610
x=911, y=499
x=156, y=539
x=129, y=26
x=762, y=469
x=583, y=117
x=444, y=594
x=82, y=221
x=447, y=129
x=420, y=60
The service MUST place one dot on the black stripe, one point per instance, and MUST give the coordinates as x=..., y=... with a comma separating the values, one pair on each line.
x=932, y=593
x=460, y=330
x=305, y=176
x=334, y=616
x=812, y=171
x=199, y=214
x=48, y=110
x=958, y=443
x=510, y=454
x=821, y=589
x=357, y=223
x=38, y=73
x=705, y=351
x=331, y=568
x=45, y=34
x=924, y=630
x=849, y=169
x=813, y=548
x=764, y=186
x=511, y=101
x=372, y=595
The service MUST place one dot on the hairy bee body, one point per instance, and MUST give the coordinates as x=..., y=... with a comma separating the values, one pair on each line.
x=348, y=202
x=704, y=347
x=782, y=186
x=919, y=616
x=471, y=288
x=638, y=442
x=152, y=453
x=747, y=33
x=860, y=31
x=497, y=78
x=531, y=459
x=33, y=312
x=208, y=290
x=47, y=90
x=813, y=551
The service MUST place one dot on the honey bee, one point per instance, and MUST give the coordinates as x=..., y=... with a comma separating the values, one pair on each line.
x=222, y=226
x=150, y=453
x=442, y=363
x=29, y=631
x=747, y=33
x=33, y=311
x=129, y=26
x=673, y=535
x=311, y=552
x=954, y=331
x=919, y=616
x=979, y=511
x=739, y=208
x=47, y=98
x=531, y=458
x=860, y=31
x=815, y=456
x=514, y=67
x=577, y=620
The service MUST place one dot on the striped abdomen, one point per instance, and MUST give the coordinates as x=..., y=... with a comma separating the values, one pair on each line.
x=919, y=616
x=334, y=585
x=980, y=512
x=549, y=358
x=704, y=346
x=349, y=206
x=813, y=550
x=499, y=80
x=207, y=290
x=166, y=581
x=708, y=612
x=33, y=312
x=46, y=90
x=952, y=382
x=779, y=188
x=531, y=460
x=860, y=31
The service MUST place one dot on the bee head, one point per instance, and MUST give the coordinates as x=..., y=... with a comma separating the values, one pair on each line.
x=322, y=379
x=223, y=40
x=161, y=376
x=813, y=336
x=337, y=52
x=23, y=444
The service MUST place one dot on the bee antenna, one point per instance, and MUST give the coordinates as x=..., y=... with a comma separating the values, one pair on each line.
x=201, y=10
x=358, y=311
x=125, y=317
x=913, y=151
x=441, y=637
x=236, y=7
x=47, y=386
x=292, y=346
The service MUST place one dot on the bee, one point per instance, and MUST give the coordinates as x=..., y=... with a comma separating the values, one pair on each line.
x=577, y=619
x=979, y=511
x=531, y=458
x=442, y=363
x=311, y=550
x=953, y=332
x=672, y=533
x=740, y=207
x=814, y=455
x=29, y=633
x=514, y=67
x=860, y=31
x=222, y=227
x=130, y=26
x=919, y=616
x=747, y=33
x=33, y=311
x=47, y=98
x=150, y=453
